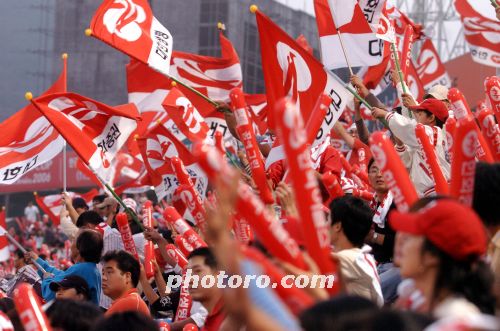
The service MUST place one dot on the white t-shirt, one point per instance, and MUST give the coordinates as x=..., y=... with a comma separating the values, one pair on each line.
x=31, y=213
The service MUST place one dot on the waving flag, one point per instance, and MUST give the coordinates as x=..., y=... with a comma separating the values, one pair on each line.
x=185, y=116
x=94, y=130
x=129, y=26
x=157, y=147
x=51, y=204
x=362, y=46
x=28, y=139
x=430, y=69
x=291, y=70
x=214, y=77
x=482, y=33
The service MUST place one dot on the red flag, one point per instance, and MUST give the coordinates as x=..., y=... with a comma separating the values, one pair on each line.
x=291, y=70
x=130, y=27
x=4, y=243
x=157, y=147
x=51, y=204
x=28, y=139
x=481, y=33
x=185, y=116
x=430, y=69
x=94, y=130
x=214, y=77
x=405, y=57
x=362, y=46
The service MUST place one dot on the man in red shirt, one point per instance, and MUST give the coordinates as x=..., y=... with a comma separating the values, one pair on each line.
x=120, y=276
x=202, y=263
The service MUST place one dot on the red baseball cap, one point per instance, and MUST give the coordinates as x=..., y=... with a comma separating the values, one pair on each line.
x=435, y=106
x=451, y=226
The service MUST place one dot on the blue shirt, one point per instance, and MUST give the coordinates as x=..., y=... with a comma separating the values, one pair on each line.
x=86, y=270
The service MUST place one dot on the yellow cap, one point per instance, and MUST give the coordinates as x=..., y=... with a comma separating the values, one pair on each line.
x=136, y=136
x=173, y=84
x=253, y=9
x=88, y=32
x=64, y=56
x=28, y=96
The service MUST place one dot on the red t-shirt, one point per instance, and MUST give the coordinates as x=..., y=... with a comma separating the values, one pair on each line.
x=130, y=301
x=215, y=318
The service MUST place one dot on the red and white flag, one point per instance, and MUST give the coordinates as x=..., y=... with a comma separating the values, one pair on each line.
x=4, y=243
x=185, y=116
x=51, y=204
x=157, y=147
x=94, y=130
x=289, y=70
x=28, y=139
x=482, y=33
x=212, y=76
x=129, y=26
x=430, y=69
x=363, y=48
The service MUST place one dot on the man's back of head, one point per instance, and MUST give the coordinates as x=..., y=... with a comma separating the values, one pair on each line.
x=89, y=245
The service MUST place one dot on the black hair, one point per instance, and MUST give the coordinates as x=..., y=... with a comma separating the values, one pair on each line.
x=207, y=254
x=439, y=123
x=126, y=262
x=126, y=321
x=472, y=279
x=89, y=244
x=355, y=216
x=88, y=217
x=328, y=315
x=19, y=253
x=65, y=314
x=370, y=162
x=79, y=203
x=6, y=304
x=99, y=198
x=486, y=191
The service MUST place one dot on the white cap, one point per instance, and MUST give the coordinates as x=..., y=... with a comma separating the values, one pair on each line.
x=439, y=92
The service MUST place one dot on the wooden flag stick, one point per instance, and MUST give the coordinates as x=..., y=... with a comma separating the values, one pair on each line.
x=339, y=34
x=398, y=67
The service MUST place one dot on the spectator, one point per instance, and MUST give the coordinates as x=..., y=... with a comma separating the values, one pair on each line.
x=32, y=213
x=85, y=252
x=70, y=315
x=126, y=321
x=71, y=287
x=441, y=253
x=120, y=276
x=351, y=222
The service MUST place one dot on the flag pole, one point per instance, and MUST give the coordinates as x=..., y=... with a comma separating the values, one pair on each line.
x=21, y=248
x=339, y=34
x=398, y=67
x=64, y=167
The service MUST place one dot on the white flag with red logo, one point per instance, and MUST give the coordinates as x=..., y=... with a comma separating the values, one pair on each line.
x=185, y=116
x=212, y=76
x=430, y=69
x=157, y=147
x=51, y=204
x=28, y=139
x=481, y=32
x=94, y=130
x=289, y=70
x=4, y=243
x=363, y=48
x=129, y=26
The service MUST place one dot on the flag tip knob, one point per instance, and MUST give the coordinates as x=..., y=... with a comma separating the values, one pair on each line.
x=64, y=56
x=88, y=32
x=221, y=26
x=158, y=122
x=136, y=136
x=28, y=96
x=253, y=9
x=173, y=84
x=35, y=193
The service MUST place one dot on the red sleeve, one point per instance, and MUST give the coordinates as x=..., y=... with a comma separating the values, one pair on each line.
x=276, y=172
x=330, y=162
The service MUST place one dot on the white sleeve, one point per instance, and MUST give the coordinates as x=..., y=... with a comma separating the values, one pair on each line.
x=139, y=244
x=404, y=111
x=67, y=226
x=403, y=128
x=198, y=313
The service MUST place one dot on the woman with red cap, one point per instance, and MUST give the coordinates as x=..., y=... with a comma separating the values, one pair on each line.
x=442, y=251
